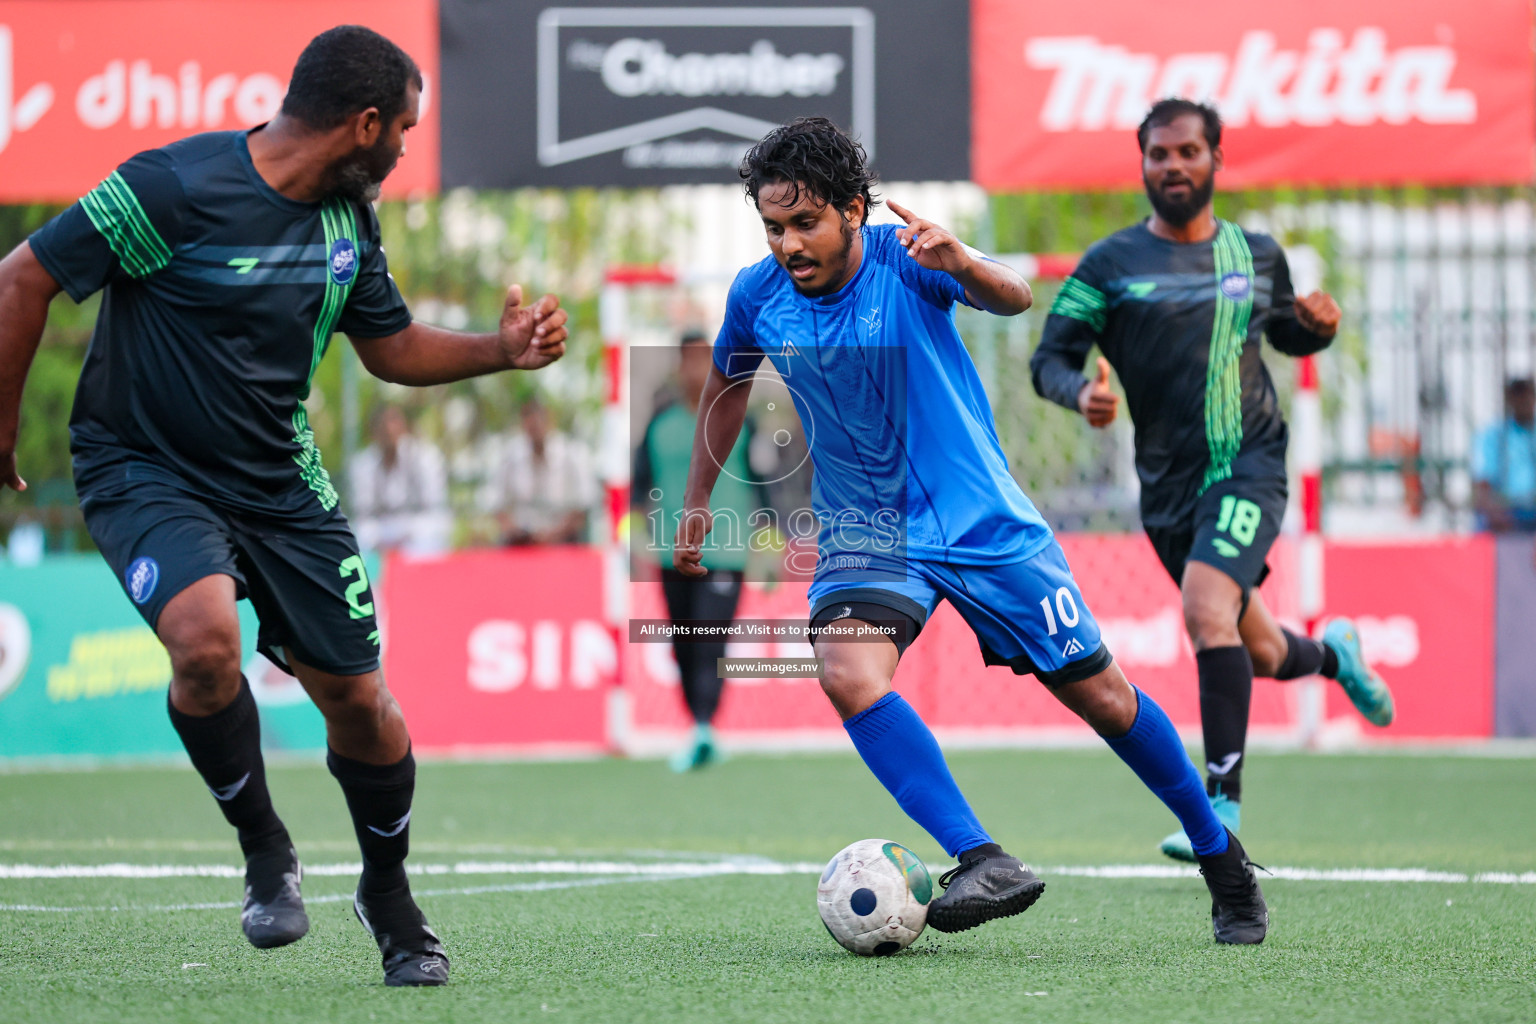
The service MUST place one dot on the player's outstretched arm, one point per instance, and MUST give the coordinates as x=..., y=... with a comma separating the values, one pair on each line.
x=1311, y=328
x=528, y=338
x=25, y=291
x=722, y=411
x=989, y=285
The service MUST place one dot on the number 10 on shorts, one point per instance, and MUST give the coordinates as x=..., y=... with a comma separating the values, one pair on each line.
x=1066, y=608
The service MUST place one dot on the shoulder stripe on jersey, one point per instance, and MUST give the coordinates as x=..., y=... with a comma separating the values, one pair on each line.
x=339, y=222
x=115, y=212
x=1081, y=301
x=1229, y=333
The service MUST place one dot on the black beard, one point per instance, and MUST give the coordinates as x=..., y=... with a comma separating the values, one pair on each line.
x=836, y=281
x=1181, y=212
x=359, y=175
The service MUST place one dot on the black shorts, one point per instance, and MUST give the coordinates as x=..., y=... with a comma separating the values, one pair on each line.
x=306, y=580
x=1233, y=526
x=896, y=618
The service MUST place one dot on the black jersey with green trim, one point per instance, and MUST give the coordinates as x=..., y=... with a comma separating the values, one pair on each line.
x=1181, y=325
x=220, y=298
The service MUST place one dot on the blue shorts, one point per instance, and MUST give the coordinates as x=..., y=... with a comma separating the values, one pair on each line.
x=1028, y=615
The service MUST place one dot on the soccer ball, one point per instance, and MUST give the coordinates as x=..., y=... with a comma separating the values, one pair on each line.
x=873, y=897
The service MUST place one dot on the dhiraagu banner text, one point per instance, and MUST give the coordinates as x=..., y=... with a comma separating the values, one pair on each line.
x=82, y=676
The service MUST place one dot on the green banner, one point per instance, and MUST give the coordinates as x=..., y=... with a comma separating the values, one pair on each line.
x=81, y=675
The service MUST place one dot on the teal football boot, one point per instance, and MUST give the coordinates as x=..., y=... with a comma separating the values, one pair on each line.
x=701, y=752
x=1365, y=689
x=1178, y=846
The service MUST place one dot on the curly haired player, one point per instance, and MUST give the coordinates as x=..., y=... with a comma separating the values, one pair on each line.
x=917, y=506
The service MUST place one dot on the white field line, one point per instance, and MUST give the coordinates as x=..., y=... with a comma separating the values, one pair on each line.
x=696, y=869
x=475, y=890
x=728, y=866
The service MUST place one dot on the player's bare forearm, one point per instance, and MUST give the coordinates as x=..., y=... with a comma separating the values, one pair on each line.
x=1288, y=335
x=994, y=287
x=528, y=338
x=26, y=289
x=422, y=355
x=722, y=411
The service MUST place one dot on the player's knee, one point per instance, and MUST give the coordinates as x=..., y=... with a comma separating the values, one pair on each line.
x=851, y=687
x=1211, y=623
x=1107, y=701
x=1267, y=656
x=205, y=663
x=356, y=700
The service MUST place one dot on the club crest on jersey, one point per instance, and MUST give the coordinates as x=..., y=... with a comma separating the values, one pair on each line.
x=1236, y=286
x=141, y=578
x=343, y=261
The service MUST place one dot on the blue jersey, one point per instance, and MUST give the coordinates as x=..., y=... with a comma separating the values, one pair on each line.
x=900, y=432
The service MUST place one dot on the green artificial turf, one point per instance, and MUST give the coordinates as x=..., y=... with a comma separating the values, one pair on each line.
x=751, y=948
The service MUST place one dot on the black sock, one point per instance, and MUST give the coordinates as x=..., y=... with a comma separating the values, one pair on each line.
x=379, y=798
x=225, y=748
x=1306, y=657
x=1226, y=689
x=702, y=683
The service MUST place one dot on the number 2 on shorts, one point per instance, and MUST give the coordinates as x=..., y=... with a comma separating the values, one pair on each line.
x=1239, y=518
x=353, y=566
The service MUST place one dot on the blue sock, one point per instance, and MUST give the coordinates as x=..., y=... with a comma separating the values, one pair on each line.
x=1154, y=752
x=901, y=751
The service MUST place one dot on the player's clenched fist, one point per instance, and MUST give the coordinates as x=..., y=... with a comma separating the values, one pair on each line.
x=688, y=545
x=1319, y=314
x=532, y=336
x=1096, y=401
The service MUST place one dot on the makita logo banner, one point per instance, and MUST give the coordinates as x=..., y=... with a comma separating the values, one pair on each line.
x=1360, y=91
x=652, y=94
x=85, y=85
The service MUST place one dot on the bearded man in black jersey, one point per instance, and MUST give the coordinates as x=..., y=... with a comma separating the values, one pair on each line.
x=227, y=260
x=1177, y=304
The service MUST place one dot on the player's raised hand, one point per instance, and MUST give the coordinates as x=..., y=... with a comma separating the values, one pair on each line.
x=1096, y=401
x=1319, y=314
x=532, y=336
x=8, y=475
x=688, y=545
x=932, y=246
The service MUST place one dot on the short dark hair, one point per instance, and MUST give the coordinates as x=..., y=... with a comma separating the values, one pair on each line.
x=813, y=154
x=345, y=70
x=1519, y=386
x=1166, y=111
x=692, y=336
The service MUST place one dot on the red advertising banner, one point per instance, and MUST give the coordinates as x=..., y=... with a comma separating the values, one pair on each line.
x=508, y=650
x=1426, y=617
x=1324, y=92
x=85, y=84
x=943, y=675
x=490, y=650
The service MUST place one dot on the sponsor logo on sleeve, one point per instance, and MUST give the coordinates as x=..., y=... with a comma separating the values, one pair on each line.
x=343, y=261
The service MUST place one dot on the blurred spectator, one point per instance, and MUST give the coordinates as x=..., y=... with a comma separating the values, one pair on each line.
x=1504, y=463
x=398, y=490
x=661, y=472
x=545, y=484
